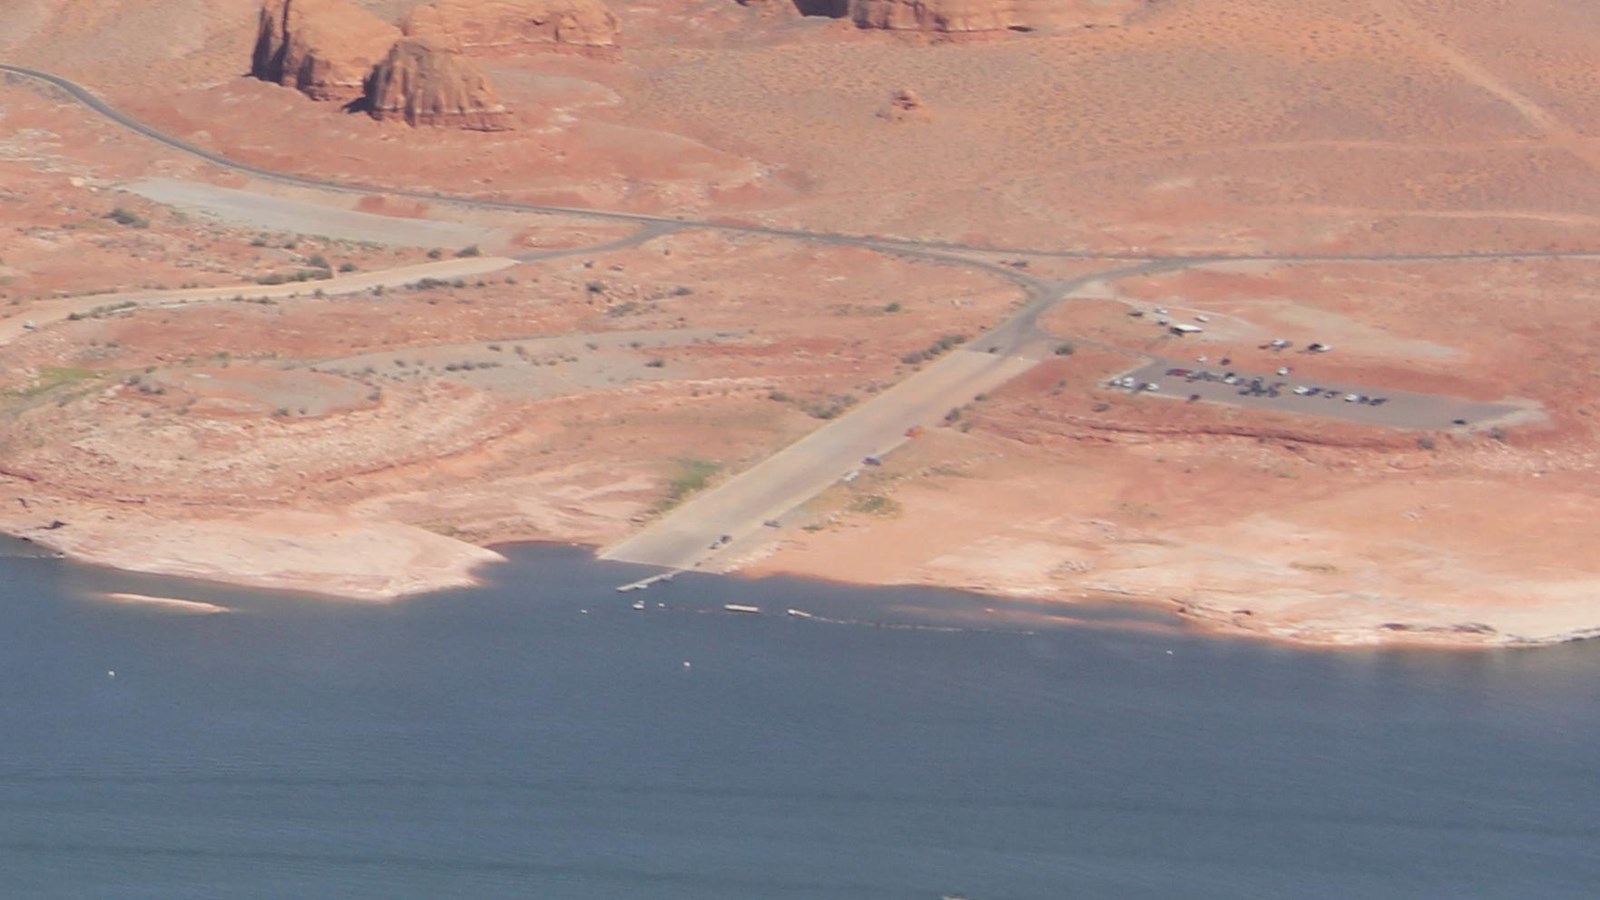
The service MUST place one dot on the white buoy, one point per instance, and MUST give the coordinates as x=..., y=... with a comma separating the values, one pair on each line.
x=686, y=664
x=584, y=611
x=111, y=673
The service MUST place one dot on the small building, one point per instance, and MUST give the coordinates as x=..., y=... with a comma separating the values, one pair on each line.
x=1182, y=329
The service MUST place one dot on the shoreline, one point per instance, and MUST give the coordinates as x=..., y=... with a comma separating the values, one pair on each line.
x=469, y=562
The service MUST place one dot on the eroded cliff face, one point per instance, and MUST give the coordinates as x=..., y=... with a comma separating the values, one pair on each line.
x=516, y=23
x=427, y=81
x=322, y=48
x=986, y=16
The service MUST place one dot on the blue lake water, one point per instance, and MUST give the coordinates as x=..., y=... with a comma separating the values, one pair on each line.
x=500, y=742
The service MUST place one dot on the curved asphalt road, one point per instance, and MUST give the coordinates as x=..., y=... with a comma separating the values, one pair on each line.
x=738, y=506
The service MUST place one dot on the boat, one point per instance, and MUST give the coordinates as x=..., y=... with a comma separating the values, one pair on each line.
x=638, y=604
x=740, y=608
x=801, y=614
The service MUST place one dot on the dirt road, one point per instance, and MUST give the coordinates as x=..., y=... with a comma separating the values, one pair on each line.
x=40, y=315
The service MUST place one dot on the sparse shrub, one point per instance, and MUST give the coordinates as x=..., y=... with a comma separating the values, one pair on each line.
x=435, y=253
x=656, y=363
x=1064, y=348
x=128, y=218
x=470, y=250
x=893, y=307
x=1427, y=442
x=318, y=261
x=347, y=266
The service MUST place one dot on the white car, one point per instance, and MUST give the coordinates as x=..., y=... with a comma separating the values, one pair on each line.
x=1151, y=386
x=1302, y=390
x=1202, y=318
x=1283, y=370
x=1351, y=398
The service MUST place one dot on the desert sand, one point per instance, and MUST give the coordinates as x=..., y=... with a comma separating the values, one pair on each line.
x=1411, y=183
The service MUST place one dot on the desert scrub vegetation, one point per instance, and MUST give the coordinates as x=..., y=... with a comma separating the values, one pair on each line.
x=128, y=218
x=294, y=276
x=101, y=311
x=875, y=505
x=937, y=348
x=52, y=377
x=691, y=475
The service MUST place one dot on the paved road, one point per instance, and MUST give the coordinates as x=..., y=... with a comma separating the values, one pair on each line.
x=264, y=212
x=774, y=486
x=738, y=506
x=1401, y=409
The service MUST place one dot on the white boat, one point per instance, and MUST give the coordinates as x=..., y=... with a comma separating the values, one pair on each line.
x=638, y=604
x=800, y=614
x=740, y=608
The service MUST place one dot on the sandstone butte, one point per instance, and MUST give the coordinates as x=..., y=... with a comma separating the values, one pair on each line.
x=516, y=23
x=426, y=81
x=323, y=48
x=981, y=16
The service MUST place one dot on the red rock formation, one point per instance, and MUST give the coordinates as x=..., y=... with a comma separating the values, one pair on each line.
x=516, y=23
x=425, y=81
x=980, y=16
x=904, y=106
x=323, y=48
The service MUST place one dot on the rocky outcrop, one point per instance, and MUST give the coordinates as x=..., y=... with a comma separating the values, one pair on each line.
x=984, y=16
x=427, y=81
x=323, y=48
x=581, y=24
x=904, y=106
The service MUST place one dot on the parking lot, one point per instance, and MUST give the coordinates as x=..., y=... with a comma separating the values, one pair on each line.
x=1212, y=383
